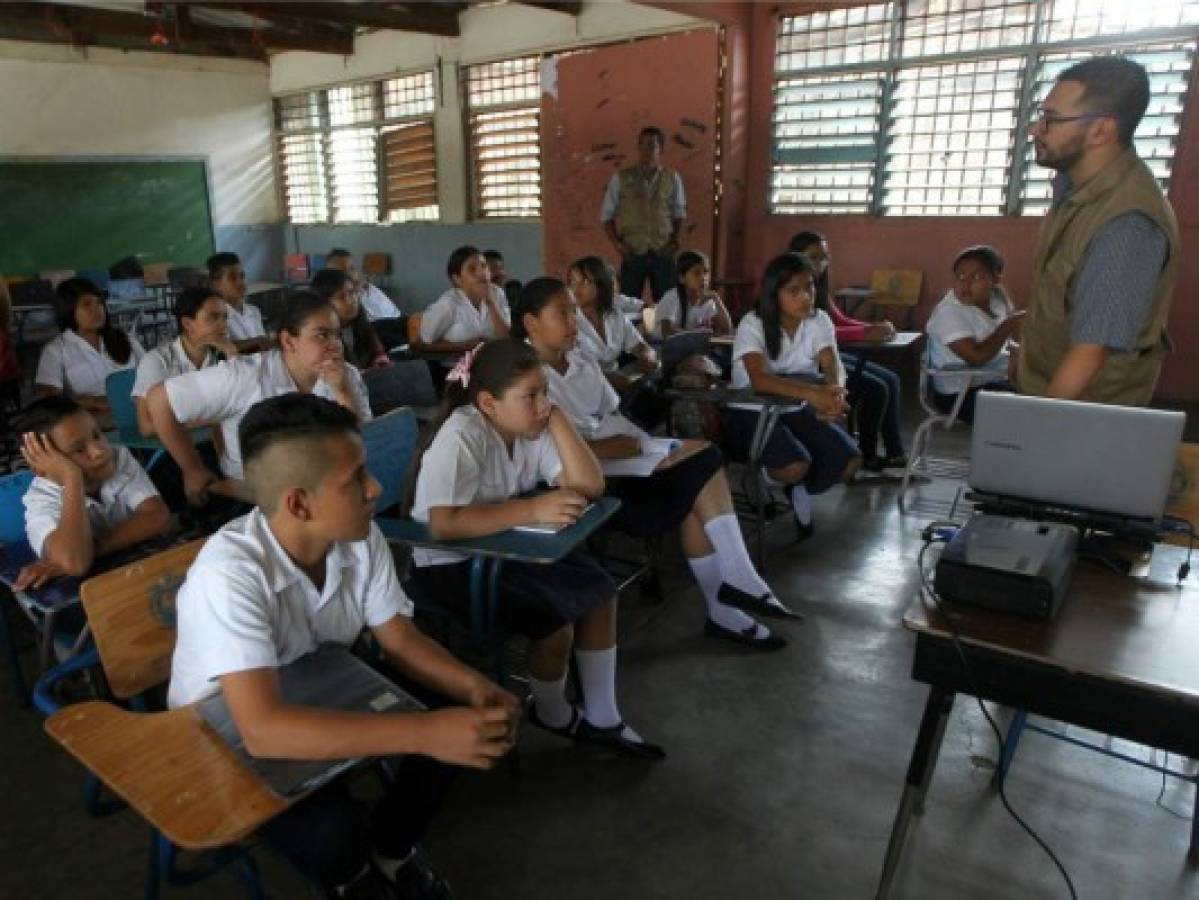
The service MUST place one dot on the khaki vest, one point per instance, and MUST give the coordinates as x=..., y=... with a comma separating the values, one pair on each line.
x=1127, y=378
x=645, y=210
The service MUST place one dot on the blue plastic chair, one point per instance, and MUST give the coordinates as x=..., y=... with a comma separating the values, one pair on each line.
x=12, y=532
x=119, y=387
x=316, y=261
x=390, y=441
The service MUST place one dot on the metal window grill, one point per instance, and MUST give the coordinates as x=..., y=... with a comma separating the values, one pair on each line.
x=938, y=27
x=1067, y=20
x=834, y=37
x=504, y=107
x=302, y=171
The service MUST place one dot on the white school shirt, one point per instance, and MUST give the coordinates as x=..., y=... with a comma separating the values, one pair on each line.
x=120, y=496
x=620, y=336
x=167, y=361
x=74, y=366
x=246, y=605
x=468, y=463
x=225, y=392
x=452, y=317
x=953, y=320
x=584, y=394
x=799, y=355
x=697, y=316
x=246, y=323
x=376, y=303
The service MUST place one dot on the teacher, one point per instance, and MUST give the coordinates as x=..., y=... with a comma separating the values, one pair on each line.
x=1108, y=252
x=642, y=212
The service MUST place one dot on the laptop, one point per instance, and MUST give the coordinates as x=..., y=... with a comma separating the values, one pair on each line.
x=681, y=345
x=1116, y=460
x=331, y=677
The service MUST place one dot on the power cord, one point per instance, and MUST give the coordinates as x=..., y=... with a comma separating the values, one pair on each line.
x=943, y=532
x=1178, y=525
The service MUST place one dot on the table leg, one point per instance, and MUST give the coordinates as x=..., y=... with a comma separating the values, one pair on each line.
x=920, y=773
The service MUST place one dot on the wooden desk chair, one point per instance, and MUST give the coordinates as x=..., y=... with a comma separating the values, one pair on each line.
x=295, y=268
x=896, y=287
x=414, y=321
x=170, y=767
x=376, y=267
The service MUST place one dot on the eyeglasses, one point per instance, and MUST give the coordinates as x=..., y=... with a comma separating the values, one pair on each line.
x=1049, y=119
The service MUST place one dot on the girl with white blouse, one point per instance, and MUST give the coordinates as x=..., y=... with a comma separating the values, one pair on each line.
x=472, y=310
x=692, y=304
x=605, y=332
x=690, y=493
x=787, y=348
x=497, y=438
x=89, y=349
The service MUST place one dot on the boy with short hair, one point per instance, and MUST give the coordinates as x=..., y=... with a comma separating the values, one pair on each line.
x=228, y=278
x=89, y=499
x=308, y=566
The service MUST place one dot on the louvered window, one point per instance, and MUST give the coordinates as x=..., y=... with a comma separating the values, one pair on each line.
x=503, y=101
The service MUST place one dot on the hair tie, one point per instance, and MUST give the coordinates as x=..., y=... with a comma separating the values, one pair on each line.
x=461, y=370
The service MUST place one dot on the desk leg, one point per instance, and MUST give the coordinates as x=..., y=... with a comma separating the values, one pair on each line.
x=920, y=774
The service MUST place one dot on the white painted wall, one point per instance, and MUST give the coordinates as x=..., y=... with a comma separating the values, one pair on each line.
x=59, y=101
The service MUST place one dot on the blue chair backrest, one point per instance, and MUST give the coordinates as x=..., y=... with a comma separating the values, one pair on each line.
x=390, y=442
x=316, y=262
x=12, y=510
x=119, y=388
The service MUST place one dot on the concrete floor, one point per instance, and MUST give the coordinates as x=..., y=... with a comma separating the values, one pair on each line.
x=783, y=774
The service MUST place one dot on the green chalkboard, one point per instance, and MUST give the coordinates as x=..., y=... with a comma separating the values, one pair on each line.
x=77, y=214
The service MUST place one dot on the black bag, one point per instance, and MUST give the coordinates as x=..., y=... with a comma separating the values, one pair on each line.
x=644, y=404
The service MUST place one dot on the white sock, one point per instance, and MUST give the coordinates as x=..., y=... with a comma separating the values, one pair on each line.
x=390, y=865
x=801, y=502
x=707, y=572
x=549, y=699
x=735, y=565
x=597, y=676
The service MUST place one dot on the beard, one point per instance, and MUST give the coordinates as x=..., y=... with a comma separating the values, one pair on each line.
x=1060, y=160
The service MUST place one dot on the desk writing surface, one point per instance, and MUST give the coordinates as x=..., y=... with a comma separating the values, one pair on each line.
x=902, y=340
x=170, y=767
x=1142, y=632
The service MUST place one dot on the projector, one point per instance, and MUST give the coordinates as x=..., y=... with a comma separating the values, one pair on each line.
x=1009, y=565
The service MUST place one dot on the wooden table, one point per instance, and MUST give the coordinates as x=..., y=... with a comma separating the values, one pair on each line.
x=903, y=349
x=1120, y=659
x=172, y=768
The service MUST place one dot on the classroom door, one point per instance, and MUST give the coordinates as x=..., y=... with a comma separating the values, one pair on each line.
x=592, y=107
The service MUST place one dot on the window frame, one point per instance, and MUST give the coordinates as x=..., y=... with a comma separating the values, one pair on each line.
x=1029, y=52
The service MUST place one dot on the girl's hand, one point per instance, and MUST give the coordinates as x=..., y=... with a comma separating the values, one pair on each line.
x=36, y=574
x=829, y=402
x=558, y=507
x=46, y=459
x=333, y=372
x=224, y=346
x=382, y=361
x=880, y=332
x=1013, y=322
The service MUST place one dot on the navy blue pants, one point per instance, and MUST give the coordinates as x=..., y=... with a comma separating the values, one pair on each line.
x=798, y=437
x=635, y=268
x=874, y=390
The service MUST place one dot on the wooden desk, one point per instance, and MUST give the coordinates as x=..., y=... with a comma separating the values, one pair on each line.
x=1120, y=658
x=172, y=768
x=903, y=349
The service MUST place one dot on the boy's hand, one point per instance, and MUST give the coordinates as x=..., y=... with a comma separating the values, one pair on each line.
x=47, y=460
x=196, y=483
x=466, y=736
x=558, y=507
x=36, y=574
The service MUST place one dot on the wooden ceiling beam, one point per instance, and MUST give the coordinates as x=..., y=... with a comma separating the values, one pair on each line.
x=428, y=18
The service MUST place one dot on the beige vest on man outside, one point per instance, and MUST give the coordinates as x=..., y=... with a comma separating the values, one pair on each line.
x=1127, y=378
x=645, y=210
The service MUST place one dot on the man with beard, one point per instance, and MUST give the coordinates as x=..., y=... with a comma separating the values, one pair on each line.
x=1108, y=252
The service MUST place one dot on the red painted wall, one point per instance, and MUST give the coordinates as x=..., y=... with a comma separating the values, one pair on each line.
x=860, y=244
x=589, y=130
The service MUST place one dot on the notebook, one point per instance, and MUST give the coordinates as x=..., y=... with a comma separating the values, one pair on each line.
x=331, y=678
x=547, y=527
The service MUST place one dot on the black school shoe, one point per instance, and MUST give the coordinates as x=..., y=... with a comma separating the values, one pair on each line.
x=757, y=606
x=416, y=879
x=748, y=637
x=579, y=730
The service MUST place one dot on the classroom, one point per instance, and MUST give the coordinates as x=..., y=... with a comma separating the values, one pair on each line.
x=516, y=449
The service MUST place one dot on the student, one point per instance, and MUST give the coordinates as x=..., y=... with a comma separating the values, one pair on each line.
x=472, y=310
x=873, y=388
x=497, y=438
x=203, y=341
x=362, y=345
x=88, y=499
x=787, y=348
x=497, y=271
x=307, y=566
x=691, y=303
x=227, y=277
x=972, y=326
x=89, y=349
x=309, y=359
x=389, y=323
x=691, y=495
x=604, y=331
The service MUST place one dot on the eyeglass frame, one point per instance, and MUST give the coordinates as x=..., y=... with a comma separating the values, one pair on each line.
x=1049, y=119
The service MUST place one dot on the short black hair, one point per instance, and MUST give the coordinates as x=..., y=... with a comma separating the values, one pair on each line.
x=534, y=297
x=493, y=254
x=984, y=254
x=458, y=259
x=189, y=301
x=291, y=416
x=656, y=132
x=328, y=282
x=219, y=262
x=299, y=307
x=43, y=414
x=1114, y=86
x=339, y=253
x=802, y=240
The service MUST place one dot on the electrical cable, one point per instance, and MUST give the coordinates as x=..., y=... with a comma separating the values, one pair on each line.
x=934, y=533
